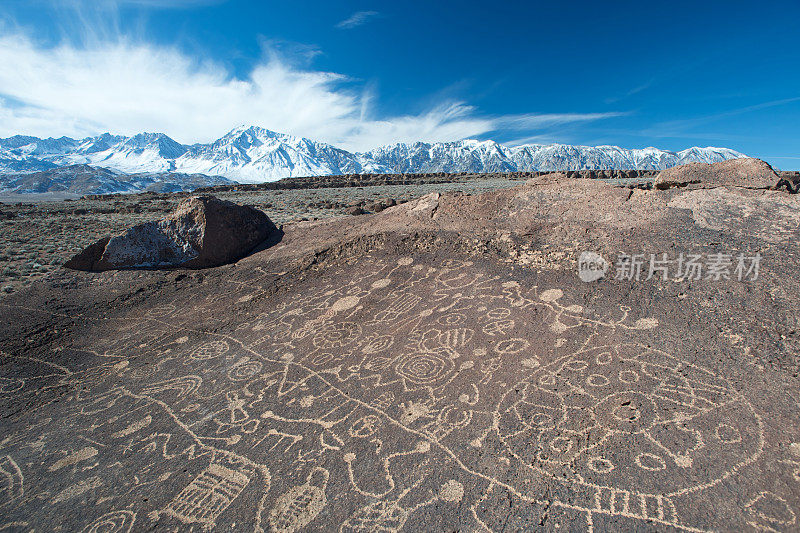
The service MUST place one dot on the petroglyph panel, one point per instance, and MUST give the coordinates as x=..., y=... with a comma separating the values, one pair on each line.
x=390, y=394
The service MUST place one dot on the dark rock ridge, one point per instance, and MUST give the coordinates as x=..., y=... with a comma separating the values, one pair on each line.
x=366, y=180
x=202, y=232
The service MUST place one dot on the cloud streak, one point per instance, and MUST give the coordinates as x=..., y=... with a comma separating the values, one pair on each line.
x=359, y=18
x=683, y=127
x=115, y=4
x=127, y=87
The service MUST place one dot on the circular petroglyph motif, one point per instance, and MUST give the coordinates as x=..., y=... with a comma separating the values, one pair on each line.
x=336, y=335
x=728, y=434
x=650, y=461
x=211, y=350
x=603, y=358
x=597, y=380
x=452, y=319
x=345, y=303
x=456, y=275
x=381, y=283
x=614, y=412
x=601, y=465
x=423, y=368
x=452, y=491
x=244, y=370
x=511, y=346
x=551, y=295
x=455, y=416
x=114, y=522
x=378, y=344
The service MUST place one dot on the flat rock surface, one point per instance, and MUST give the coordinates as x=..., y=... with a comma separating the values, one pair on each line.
x=438, y=366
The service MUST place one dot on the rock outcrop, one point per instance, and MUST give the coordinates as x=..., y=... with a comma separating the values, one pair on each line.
x=202, y=232
x=744, y=172
x=442, y=365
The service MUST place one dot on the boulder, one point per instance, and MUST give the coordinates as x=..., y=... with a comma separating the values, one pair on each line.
x=380, y=205
x=202, y=232
x=743, y=172
x=356, y=210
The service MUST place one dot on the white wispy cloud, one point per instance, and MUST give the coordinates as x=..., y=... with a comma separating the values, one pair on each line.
x=105, y=4
x=543, y=120
x=358, y=18
x=126, y=86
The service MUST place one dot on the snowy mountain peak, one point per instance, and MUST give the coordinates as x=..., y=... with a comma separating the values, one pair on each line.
x=254, y=154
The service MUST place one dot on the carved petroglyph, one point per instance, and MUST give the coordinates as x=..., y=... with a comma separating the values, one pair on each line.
x=114, y=522
x=12, y=486
x=299, y=506
x=385, y=393
x=209, y=494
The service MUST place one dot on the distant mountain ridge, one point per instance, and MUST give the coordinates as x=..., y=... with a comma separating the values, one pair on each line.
x=85, y=179
x=251, y=154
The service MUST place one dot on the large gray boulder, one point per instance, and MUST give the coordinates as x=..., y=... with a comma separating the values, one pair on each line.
x=202, y=232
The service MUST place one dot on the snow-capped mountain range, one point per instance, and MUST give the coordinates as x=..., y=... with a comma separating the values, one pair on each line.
x=250, y=154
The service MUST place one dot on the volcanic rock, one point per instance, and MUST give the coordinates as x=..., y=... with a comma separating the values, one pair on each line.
x=202, y=232
x=355, y=211
x=439, y=366
x=744, y=172
x=380, y=205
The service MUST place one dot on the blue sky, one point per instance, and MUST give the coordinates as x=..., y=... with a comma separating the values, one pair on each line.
x=360, y=74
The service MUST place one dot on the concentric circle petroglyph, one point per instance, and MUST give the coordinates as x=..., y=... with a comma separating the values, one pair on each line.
x=423, y=368
x=244, y=370
x=113, y=522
